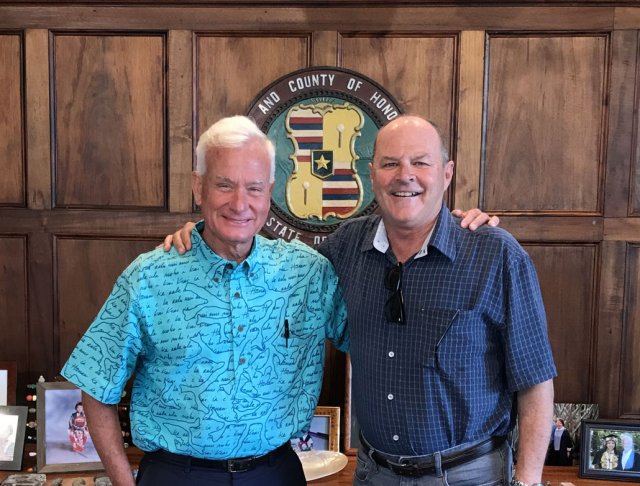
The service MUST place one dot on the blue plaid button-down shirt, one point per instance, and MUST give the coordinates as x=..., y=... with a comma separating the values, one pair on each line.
x=475, y=334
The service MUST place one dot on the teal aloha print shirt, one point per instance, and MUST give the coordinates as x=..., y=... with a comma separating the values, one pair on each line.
x=215, y=374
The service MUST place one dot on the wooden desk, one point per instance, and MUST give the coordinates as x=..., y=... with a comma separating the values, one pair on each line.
x=554, y=475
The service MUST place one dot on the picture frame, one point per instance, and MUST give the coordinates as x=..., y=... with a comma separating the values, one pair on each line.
x=602, y=450
x=8, y=383
x=324, y=432
x=13, y=422
x=351, y=439
x=64, y=443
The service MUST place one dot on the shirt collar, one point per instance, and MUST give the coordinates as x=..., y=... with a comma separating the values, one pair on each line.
x=220, y=265
x=381, y=241
x=442, y=236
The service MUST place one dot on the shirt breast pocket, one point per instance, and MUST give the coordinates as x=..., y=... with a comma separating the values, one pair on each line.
x=464, y=344
x=453, y=338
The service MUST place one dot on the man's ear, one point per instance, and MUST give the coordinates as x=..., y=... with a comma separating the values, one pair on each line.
x=448, y=173
x=196, y=187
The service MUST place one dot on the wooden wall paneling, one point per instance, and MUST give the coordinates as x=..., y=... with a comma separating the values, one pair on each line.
x=390, y=17
x=109, y=120
x=180, y=99
x=630, y=379
x=567, y=275
x=622, y=101
x=622, y=229
x=325, y=48
x=469, y=142
x=578, y=229
x=626, y=18
x=634, y=209
x=12, y=182
x=13, y=300
x=42, y=330
x=545, y=128
x=419, y=70
x=609, y=330
x=86, y=270
x=38, y=126
x=231, y=69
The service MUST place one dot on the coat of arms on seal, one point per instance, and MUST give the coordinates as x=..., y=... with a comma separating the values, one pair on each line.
x=323, y=122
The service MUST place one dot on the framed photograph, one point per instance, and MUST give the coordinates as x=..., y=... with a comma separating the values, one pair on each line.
x=64, y=442
x=610, y=450
x=323, y=434
x=351, y=441
x=8, y=379
x=13, y=421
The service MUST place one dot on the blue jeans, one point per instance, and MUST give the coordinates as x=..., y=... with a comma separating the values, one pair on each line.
x=493, y=469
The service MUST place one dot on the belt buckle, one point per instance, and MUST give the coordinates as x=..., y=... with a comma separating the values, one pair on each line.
x=239, y=465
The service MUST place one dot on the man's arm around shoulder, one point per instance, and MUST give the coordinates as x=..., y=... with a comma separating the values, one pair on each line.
x=106, y=434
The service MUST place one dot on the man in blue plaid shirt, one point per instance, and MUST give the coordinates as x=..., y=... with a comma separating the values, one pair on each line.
x=447, y=327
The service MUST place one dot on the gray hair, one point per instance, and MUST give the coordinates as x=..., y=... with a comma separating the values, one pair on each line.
x=232, y=132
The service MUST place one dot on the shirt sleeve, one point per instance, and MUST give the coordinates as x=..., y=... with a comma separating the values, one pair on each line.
x=336, y=322
x=528, y=351
x=104, y=358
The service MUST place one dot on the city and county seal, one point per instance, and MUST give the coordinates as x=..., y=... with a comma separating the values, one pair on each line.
x=323, y=122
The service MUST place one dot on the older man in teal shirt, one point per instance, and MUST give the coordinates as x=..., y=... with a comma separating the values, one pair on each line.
x=226, y=343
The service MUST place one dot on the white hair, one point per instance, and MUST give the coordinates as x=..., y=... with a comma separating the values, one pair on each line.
x=232, y=132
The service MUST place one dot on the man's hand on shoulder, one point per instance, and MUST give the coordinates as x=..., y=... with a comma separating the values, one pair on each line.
x=181, y=239
x=474, y=218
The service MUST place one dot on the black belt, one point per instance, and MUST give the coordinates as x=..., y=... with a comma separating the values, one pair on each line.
x=426, y=465
x=241, y=464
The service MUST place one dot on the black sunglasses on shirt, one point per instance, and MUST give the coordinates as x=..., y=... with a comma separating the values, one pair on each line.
x=394, y=307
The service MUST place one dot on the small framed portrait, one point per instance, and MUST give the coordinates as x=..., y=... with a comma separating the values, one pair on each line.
x=323, y=434
x=13, y=421
x=64, y=442
x=610, y=450
x=8, y=378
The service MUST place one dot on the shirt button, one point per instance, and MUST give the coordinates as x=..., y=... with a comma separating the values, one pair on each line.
x=391, y=354
x=396, y=438
x=390, y=396
x=240, y=328
x=241, y=360
x=228, y=266
x=216, y=279
x=236, y=295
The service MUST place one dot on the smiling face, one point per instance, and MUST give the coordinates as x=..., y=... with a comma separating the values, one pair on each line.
x=611, y=444
x=234, y=195
x=408, y=175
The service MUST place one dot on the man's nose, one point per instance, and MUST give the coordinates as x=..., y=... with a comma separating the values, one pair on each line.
x=239, y=200
x=405, y=172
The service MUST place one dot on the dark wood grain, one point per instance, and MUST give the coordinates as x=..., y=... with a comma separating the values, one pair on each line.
x=13, y=300
x=545, y=123
x=630, y=379
x=12, y=182
x=109, y=120
x=232, y=69
x=620, y=140
x=566, y=274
